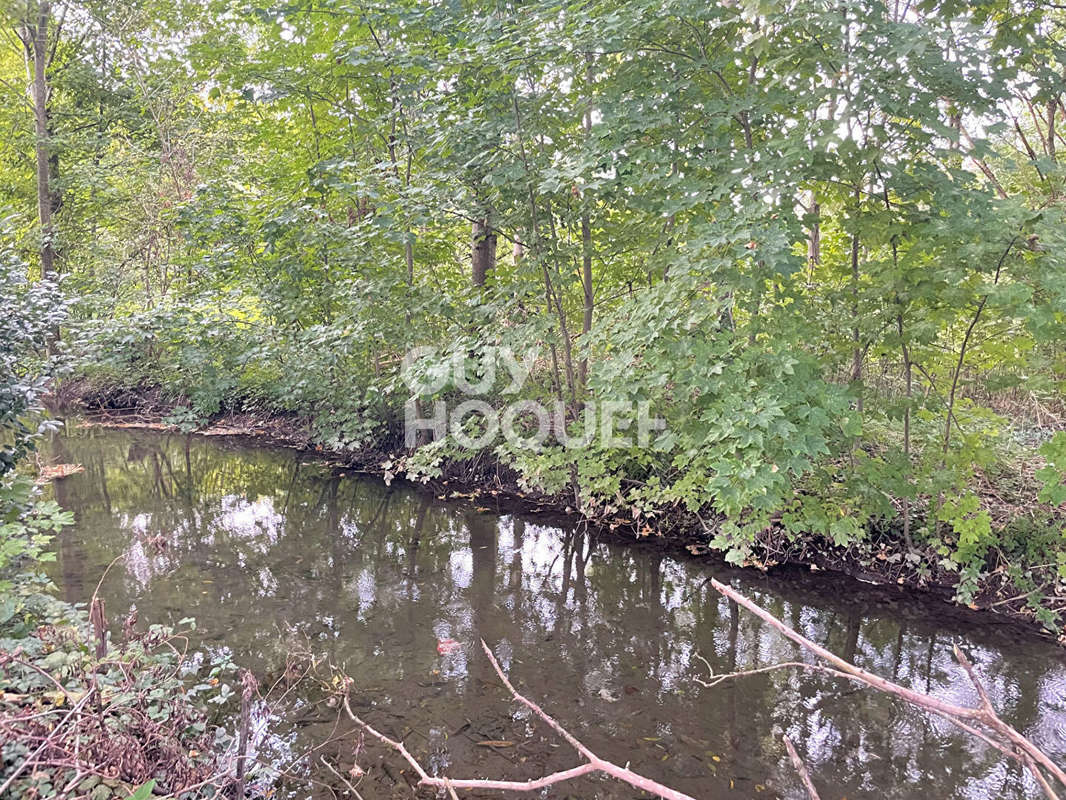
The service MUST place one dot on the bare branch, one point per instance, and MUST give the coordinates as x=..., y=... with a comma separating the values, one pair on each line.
x=425, y=779
x=593, y=762
x=31, y=758
x=983, y=165
x=717, y=679
x=1010, y=741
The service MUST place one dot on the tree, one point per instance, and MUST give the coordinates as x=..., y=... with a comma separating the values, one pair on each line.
x=33, y=32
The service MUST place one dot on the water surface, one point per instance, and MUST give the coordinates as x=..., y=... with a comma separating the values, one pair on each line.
x=271, y=552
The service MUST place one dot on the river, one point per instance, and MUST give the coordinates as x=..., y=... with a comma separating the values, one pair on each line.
x=273, y=553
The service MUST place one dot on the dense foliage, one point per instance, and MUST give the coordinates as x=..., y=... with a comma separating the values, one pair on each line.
x=120, y=726
x=822, y=240
x=31, y=314
x=139, y=716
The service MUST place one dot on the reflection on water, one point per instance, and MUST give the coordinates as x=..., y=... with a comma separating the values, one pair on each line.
x=264, y=550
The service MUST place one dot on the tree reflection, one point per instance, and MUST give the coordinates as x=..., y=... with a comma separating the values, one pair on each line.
x=265, y=549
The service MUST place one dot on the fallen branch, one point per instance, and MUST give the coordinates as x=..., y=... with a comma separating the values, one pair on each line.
x=106, y=730
x=593, y=763
x=31, y=759
x=997, y=733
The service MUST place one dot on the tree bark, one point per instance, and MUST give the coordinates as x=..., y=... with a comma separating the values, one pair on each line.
x=856, y=353
x=814, y=235
x=482, y=251
x=36, y=41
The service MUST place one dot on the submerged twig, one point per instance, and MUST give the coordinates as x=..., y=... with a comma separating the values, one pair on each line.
x=593, y=763
x=341, y=778
x=801, y=768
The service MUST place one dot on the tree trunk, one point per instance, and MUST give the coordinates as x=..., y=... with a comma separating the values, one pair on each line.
x=586, y=246
x=1051, y=130
x=586, y=284
x=856, y=353
x=482, y=251
x=37, y=43
x=814, y=235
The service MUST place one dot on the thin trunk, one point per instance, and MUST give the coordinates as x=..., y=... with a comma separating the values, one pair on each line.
x=560, y=312
x=1051, y=130
x=908, y=378
x=409, y=242
x=668, y=229
x=586, y=246
x=38, y=46
x=909, y=383
x=398, y=122
x=1051, y=109
x=549, y=292
x=856, y=352
x=962, y=351
x=814, y=236
x=586, y=283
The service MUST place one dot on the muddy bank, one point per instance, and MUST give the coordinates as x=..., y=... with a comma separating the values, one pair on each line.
x=878, y=566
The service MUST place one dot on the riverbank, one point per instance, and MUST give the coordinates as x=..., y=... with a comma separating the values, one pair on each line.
x=84, y=713
x=877, y=560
